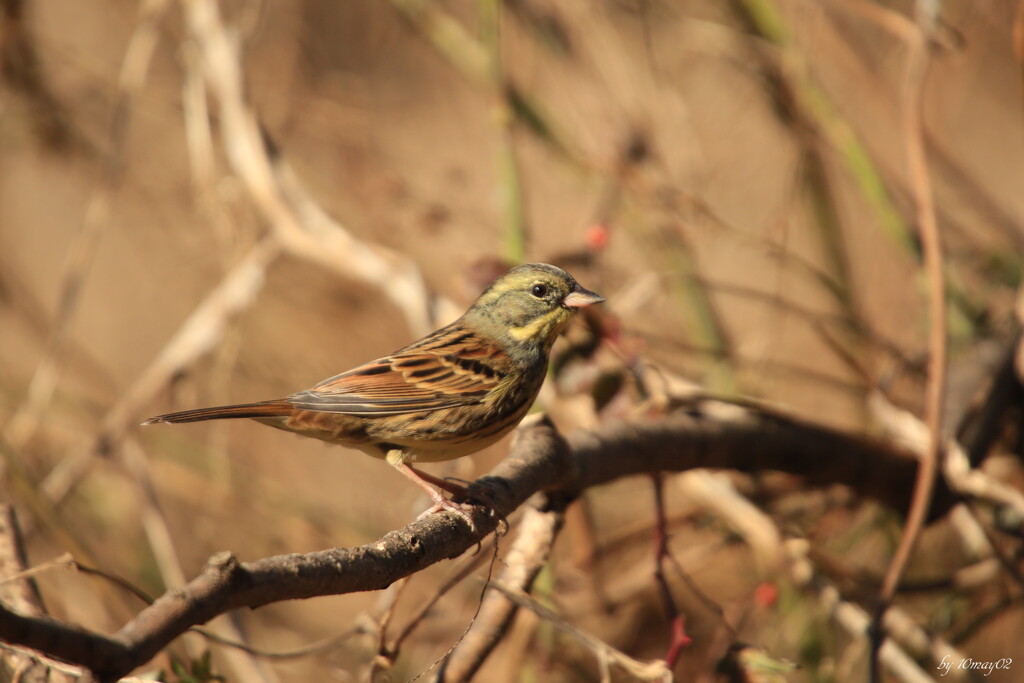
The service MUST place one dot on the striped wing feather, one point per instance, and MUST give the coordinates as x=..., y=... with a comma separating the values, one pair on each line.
x=442, y=371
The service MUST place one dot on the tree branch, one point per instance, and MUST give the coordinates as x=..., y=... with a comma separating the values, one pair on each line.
x=708, y=435
x=538, y=529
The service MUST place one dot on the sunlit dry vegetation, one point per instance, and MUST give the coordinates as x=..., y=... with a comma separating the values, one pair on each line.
x=806, y=216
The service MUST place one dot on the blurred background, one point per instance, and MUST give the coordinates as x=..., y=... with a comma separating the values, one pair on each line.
x=732, y=176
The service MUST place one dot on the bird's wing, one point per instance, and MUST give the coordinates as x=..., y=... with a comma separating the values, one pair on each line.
x=427, y=376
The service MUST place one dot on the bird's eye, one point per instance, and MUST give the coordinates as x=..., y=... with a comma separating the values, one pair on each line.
x=539, y=290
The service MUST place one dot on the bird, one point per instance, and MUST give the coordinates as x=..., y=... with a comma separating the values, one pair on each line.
x=452, y=393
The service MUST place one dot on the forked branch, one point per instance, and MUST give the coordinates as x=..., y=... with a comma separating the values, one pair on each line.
x=708, y=435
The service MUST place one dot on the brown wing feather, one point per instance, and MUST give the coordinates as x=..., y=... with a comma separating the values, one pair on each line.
x=441, y=371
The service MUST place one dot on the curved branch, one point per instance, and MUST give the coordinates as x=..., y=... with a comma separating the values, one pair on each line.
x=712, y=435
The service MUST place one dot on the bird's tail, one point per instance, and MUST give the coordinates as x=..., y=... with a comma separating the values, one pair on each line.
x=252, y=410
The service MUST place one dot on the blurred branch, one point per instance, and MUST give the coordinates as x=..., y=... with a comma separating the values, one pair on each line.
x=715, y=493
x=298, y=224
x=811, y=105
x=18, y=590
x=980, y=430
x=469, y=565
x=960, y=477
x=816, y=121
x=854, y=620
x=761, y=532
x=678, y=638
x=814, y=107
x=536, y=532
x=778, y=253
x=200, y=333
x=382, y=663
x=475, y=60
x=510, y=180
x=470, y=58
x=935, y=390
x=96, y=219
x=704, y=319
x=977, y=484
x=945, y=164
x=22, y=487
x=638, y=670
x=708, y=435
x=704, y=324
x=816, y=319
x=197, y=336
x=986, y=617
x=158, y=534
x=22, y=72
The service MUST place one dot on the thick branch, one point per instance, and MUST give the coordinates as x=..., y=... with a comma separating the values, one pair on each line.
x=750, y=441
x=740, y=439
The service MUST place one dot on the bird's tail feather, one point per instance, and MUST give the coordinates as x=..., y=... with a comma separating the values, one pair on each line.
x=251, y=410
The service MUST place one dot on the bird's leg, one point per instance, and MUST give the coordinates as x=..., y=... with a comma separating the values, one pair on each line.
x=451, y=486
x=397, y=460
x=468, y=491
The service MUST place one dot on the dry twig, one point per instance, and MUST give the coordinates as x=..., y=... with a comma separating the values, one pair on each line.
x=917, y=69
x=529, y=553
x=18, y=590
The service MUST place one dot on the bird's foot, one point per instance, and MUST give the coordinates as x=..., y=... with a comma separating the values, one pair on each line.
x=442, y=504
x=462, y=492
x=478, y=494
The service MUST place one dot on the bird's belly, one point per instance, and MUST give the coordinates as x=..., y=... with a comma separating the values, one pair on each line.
x=423, y=437
x=437, y=451
x=336, y=428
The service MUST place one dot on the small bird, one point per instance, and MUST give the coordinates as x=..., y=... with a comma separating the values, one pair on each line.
x=452, y=393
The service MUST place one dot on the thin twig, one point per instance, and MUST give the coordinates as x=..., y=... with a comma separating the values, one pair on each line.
x=197, y=336
x=19, y=590
x=322, y=645
x=510, y=179
x=529, y=553
x=678, y=638
x=298, y=224
x=641, y=671
x=95, y=220
x=460, y=574
x=917, y=70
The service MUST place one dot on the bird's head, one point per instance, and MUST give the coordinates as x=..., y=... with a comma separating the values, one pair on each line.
x=530, y=305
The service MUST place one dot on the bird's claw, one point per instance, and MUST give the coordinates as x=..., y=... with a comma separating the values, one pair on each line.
x=477, y=494
x=472, y=498
x=451, y=506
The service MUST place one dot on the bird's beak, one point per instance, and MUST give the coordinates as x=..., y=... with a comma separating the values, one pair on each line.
x=580, y=297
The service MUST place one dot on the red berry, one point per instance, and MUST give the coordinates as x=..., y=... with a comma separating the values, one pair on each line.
x=597, y=236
